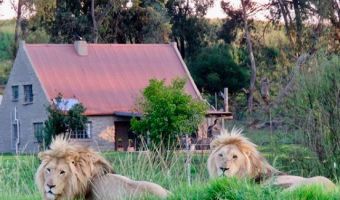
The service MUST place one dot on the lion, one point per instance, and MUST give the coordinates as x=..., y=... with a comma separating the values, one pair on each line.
x=235, y=155
x=69, y=170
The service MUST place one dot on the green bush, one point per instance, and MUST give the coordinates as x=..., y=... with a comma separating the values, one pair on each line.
x=168, y=113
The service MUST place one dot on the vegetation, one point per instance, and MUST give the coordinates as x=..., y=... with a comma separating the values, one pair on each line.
x=6, y=49
x=62, y=118
x=168, y=113
x=17, y=173
x=219, y=66
x=316, y=108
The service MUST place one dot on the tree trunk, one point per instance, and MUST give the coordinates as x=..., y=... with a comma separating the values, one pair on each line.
x=17, y=24
x=94, y=23
x=298, y=22
x=180, y=45
x=252, y=60
x=285, y=15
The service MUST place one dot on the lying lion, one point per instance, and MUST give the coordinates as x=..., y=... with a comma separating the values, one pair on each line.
x=69, y=171
x=234, y=155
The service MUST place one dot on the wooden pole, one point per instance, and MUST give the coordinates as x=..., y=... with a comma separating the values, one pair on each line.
x=226, y=106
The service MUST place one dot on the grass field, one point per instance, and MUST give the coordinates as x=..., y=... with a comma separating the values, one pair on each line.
x=17, y=173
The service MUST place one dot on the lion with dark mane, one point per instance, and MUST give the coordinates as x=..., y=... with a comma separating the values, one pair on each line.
x=234, y=155
x=69, y=170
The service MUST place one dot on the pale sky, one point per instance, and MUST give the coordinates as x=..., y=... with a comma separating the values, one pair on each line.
x=8, y=12
x=217, y=12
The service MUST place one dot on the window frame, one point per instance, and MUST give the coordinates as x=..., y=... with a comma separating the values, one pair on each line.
x=42, y=131
x=15, y=98
x=83, y=134
x=28, y=99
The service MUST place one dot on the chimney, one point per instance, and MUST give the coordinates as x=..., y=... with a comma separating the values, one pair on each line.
x=81, y=47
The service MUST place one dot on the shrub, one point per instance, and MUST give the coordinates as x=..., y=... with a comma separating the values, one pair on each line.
x=168, y=113
x=68, y=120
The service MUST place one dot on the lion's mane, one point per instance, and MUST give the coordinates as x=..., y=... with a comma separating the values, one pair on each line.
x=83, y=162
x=256, y=165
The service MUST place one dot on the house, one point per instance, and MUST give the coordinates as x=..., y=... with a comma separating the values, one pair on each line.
x=106, y=78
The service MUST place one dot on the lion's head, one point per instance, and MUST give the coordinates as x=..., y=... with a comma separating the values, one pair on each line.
x=67, y=168
x=234, y=155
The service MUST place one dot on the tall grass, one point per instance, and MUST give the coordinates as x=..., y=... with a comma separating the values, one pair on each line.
x=17, y=172
x=314, y=109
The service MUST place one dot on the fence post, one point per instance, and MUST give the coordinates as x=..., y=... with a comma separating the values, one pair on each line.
x=188, y=159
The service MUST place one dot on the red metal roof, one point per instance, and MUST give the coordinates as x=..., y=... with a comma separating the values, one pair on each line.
x=110, y=77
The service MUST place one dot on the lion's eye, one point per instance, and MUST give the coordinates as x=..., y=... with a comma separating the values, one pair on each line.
x=234, y=156
x=220, y=155
x=62, y=172
x=48, y=170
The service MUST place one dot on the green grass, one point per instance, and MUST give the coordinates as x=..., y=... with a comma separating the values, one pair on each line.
x=233, y=189
x=17, y=173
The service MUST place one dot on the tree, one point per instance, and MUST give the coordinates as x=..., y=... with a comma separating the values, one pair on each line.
x=142, y=23
x=216, y=67
x=168, y=113
x=188, y=25
x=301, y=15
x=22, y=8
x=60, y=121
x=231, y=25
x=246, y=7
x=107, y=21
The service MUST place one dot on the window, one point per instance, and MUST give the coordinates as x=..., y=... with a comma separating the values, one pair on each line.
x=38, y=129
x=83, y=134
x=28, y=92
x=15, y=93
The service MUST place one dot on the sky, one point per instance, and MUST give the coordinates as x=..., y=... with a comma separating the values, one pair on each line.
x=7, y=11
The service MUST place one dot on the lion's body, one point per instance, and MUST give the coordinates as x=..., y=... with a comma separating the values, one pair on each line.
x=234, y=155
x=69, y=170
x=125, y=188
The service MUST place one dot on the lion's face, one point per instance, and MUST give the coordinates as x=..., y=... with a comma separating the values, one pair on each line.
x=67, y=168
x=229, y=161
x=234, y=155
x=56, y=174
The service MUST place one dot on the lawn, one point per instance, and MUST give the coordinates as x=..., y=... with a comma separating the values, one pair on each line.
x=17, y=173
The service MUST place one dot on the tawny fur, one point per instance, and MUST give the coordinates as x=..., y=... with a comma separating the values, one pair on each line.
x=78, y=171
x=253, y=164
x=125, y=188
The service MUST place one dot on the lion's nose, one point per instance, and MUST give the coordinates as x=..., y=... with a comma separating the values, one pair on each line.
x=50, y=186
x=224, y=169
